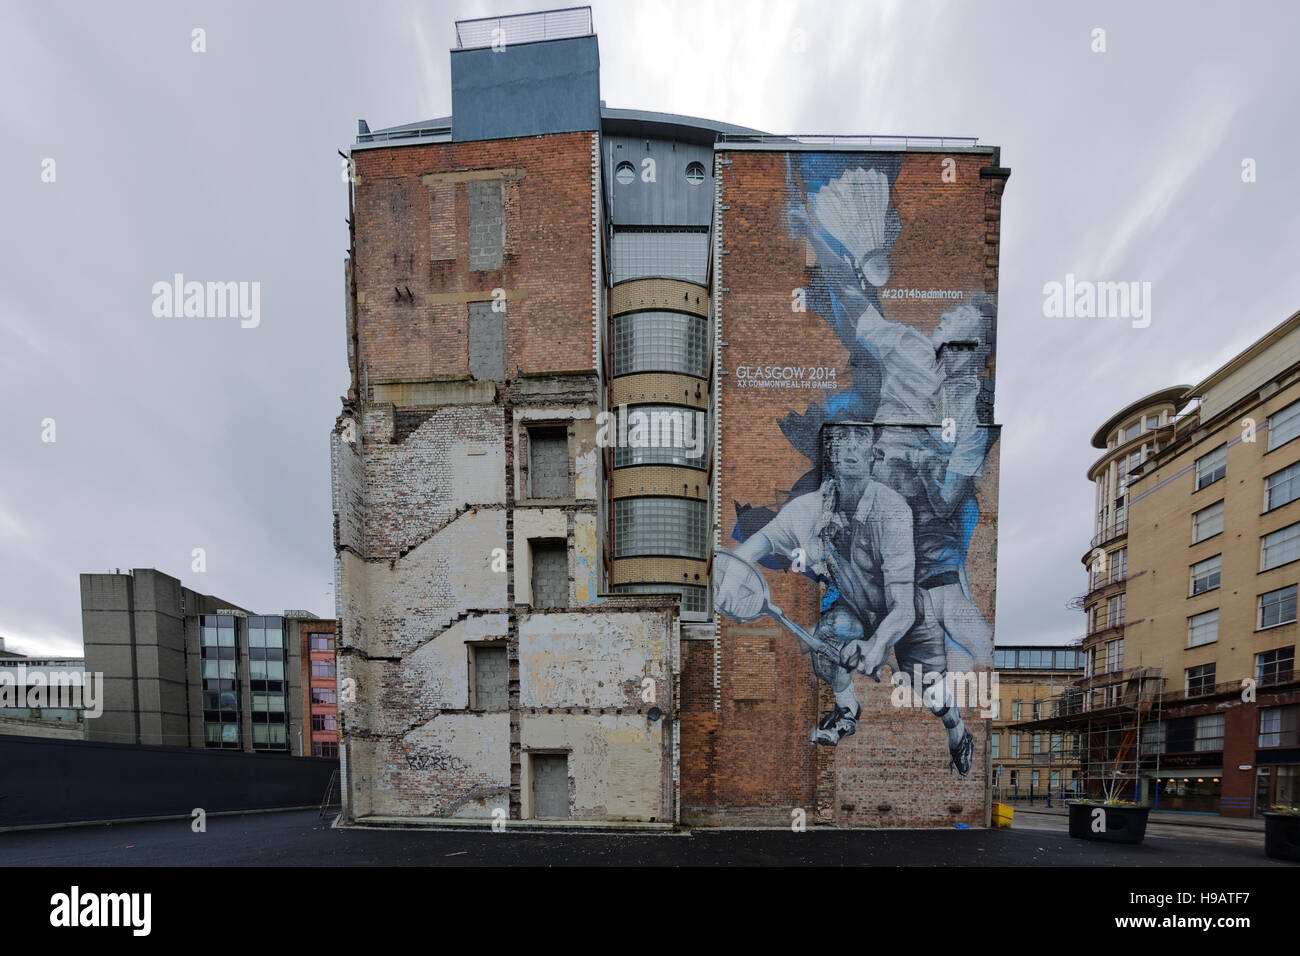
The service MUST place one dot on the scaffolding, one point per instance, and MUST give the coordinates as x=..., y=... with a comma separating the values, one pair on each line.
x=1107, y=713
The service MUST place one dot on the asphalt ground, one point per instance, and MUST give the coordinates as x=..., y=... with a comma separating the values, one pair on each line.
x=303, y=838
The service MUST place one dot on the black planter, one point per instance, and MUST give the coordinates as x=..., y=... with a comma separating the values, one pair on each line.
x=1282, y=836
x=1123, y=824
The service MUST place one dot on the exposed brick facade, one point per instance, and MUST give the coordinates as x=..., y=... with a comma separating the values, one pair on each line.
x=750, y=758
x=450, y=680
x=441, y=509
x=546, y=188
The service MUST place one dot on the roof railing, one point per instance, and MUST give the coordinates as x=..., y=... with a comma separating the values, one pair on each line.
x=816, y=139
x=384, y=135
x=559, y=24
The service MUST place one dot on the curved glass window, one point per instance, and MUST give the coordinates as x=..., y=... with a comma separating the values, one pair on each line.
x=664, y=253
x=668, y=526
x=661, y=435
x=695, y=600
x=661, y=342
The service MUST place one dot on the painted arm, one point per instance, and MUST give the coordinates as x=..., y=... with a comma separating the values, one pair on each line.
x=868, y=656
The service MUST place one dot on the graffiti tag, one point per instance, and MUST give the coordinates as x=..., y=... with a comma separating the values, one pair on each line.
x=435, y=761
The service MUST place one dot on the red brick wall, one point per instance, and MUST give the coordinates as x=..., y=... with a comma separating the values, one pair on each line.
x=761, y=764
x=547, y=256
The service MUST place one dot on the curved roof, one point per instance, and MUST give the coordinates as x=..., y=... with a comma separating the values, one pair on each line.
x=1176, y=395
x=613, y=123
x=666, y=125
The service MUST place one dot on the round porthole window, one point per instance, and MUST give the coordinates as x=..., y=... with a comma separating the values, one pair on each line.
x=624, y=173
x=695, y=174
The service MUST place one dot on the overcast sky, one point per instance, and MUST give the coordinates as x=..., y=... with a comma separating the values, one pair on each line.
x=175, y=434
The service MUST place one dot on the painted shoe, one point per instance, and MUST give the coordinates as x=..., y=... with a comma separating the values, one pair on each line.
x=962, y=754
x=836, y=725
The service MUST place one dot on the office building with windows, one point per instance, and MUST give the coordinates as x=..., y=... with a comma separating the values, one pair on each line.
x=1032, y=766
x=185, y=669
x=1189, y=680
x=592, y=352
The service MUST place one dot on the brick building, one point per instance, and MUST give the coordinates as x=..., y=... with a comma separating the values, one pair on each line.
x=595, y=352
x=320, y=697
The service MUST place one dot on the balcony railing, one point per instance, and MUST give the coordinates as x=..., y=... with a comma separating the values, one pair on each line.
x=1110, y=532
x=1106, y=584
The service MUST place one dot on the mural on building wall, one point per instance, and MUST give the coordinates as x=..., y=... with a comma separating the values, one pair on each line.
x=884, y=515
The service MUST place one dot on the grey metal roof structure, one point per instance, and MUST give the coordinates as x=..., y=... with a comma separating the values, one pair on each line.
x=614, y=122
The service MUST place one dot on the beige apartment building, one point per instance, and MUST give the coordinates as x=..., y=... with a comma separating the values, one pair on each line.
x=1189, y=695
x=1033, y=766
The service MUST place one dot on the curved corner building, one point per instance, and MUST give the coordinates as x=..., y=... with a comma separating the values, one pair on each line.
x=659, y=191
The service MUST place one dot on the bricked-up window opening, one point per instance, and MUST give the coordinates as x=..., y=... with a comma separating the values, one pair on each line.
x=442, y=222
x=550, y=786
x=490, y=675
x=548, y=463
x=487, y=340
x=487, y=225
x=550, y=559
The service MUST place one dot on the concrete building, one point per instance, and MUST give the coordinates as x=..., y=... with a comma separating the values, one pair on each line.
x=186, y=669
x=1032, y=766
x=593, y=353
x=1189, y=683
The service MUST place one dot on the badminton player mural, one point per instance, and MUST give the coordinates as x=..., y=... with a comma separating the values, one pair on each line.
x=884, y=516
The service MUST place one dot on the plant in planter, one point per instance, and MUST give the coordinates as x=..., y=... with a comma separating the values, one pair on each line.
x=1112, y=819
x=1282, y=832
